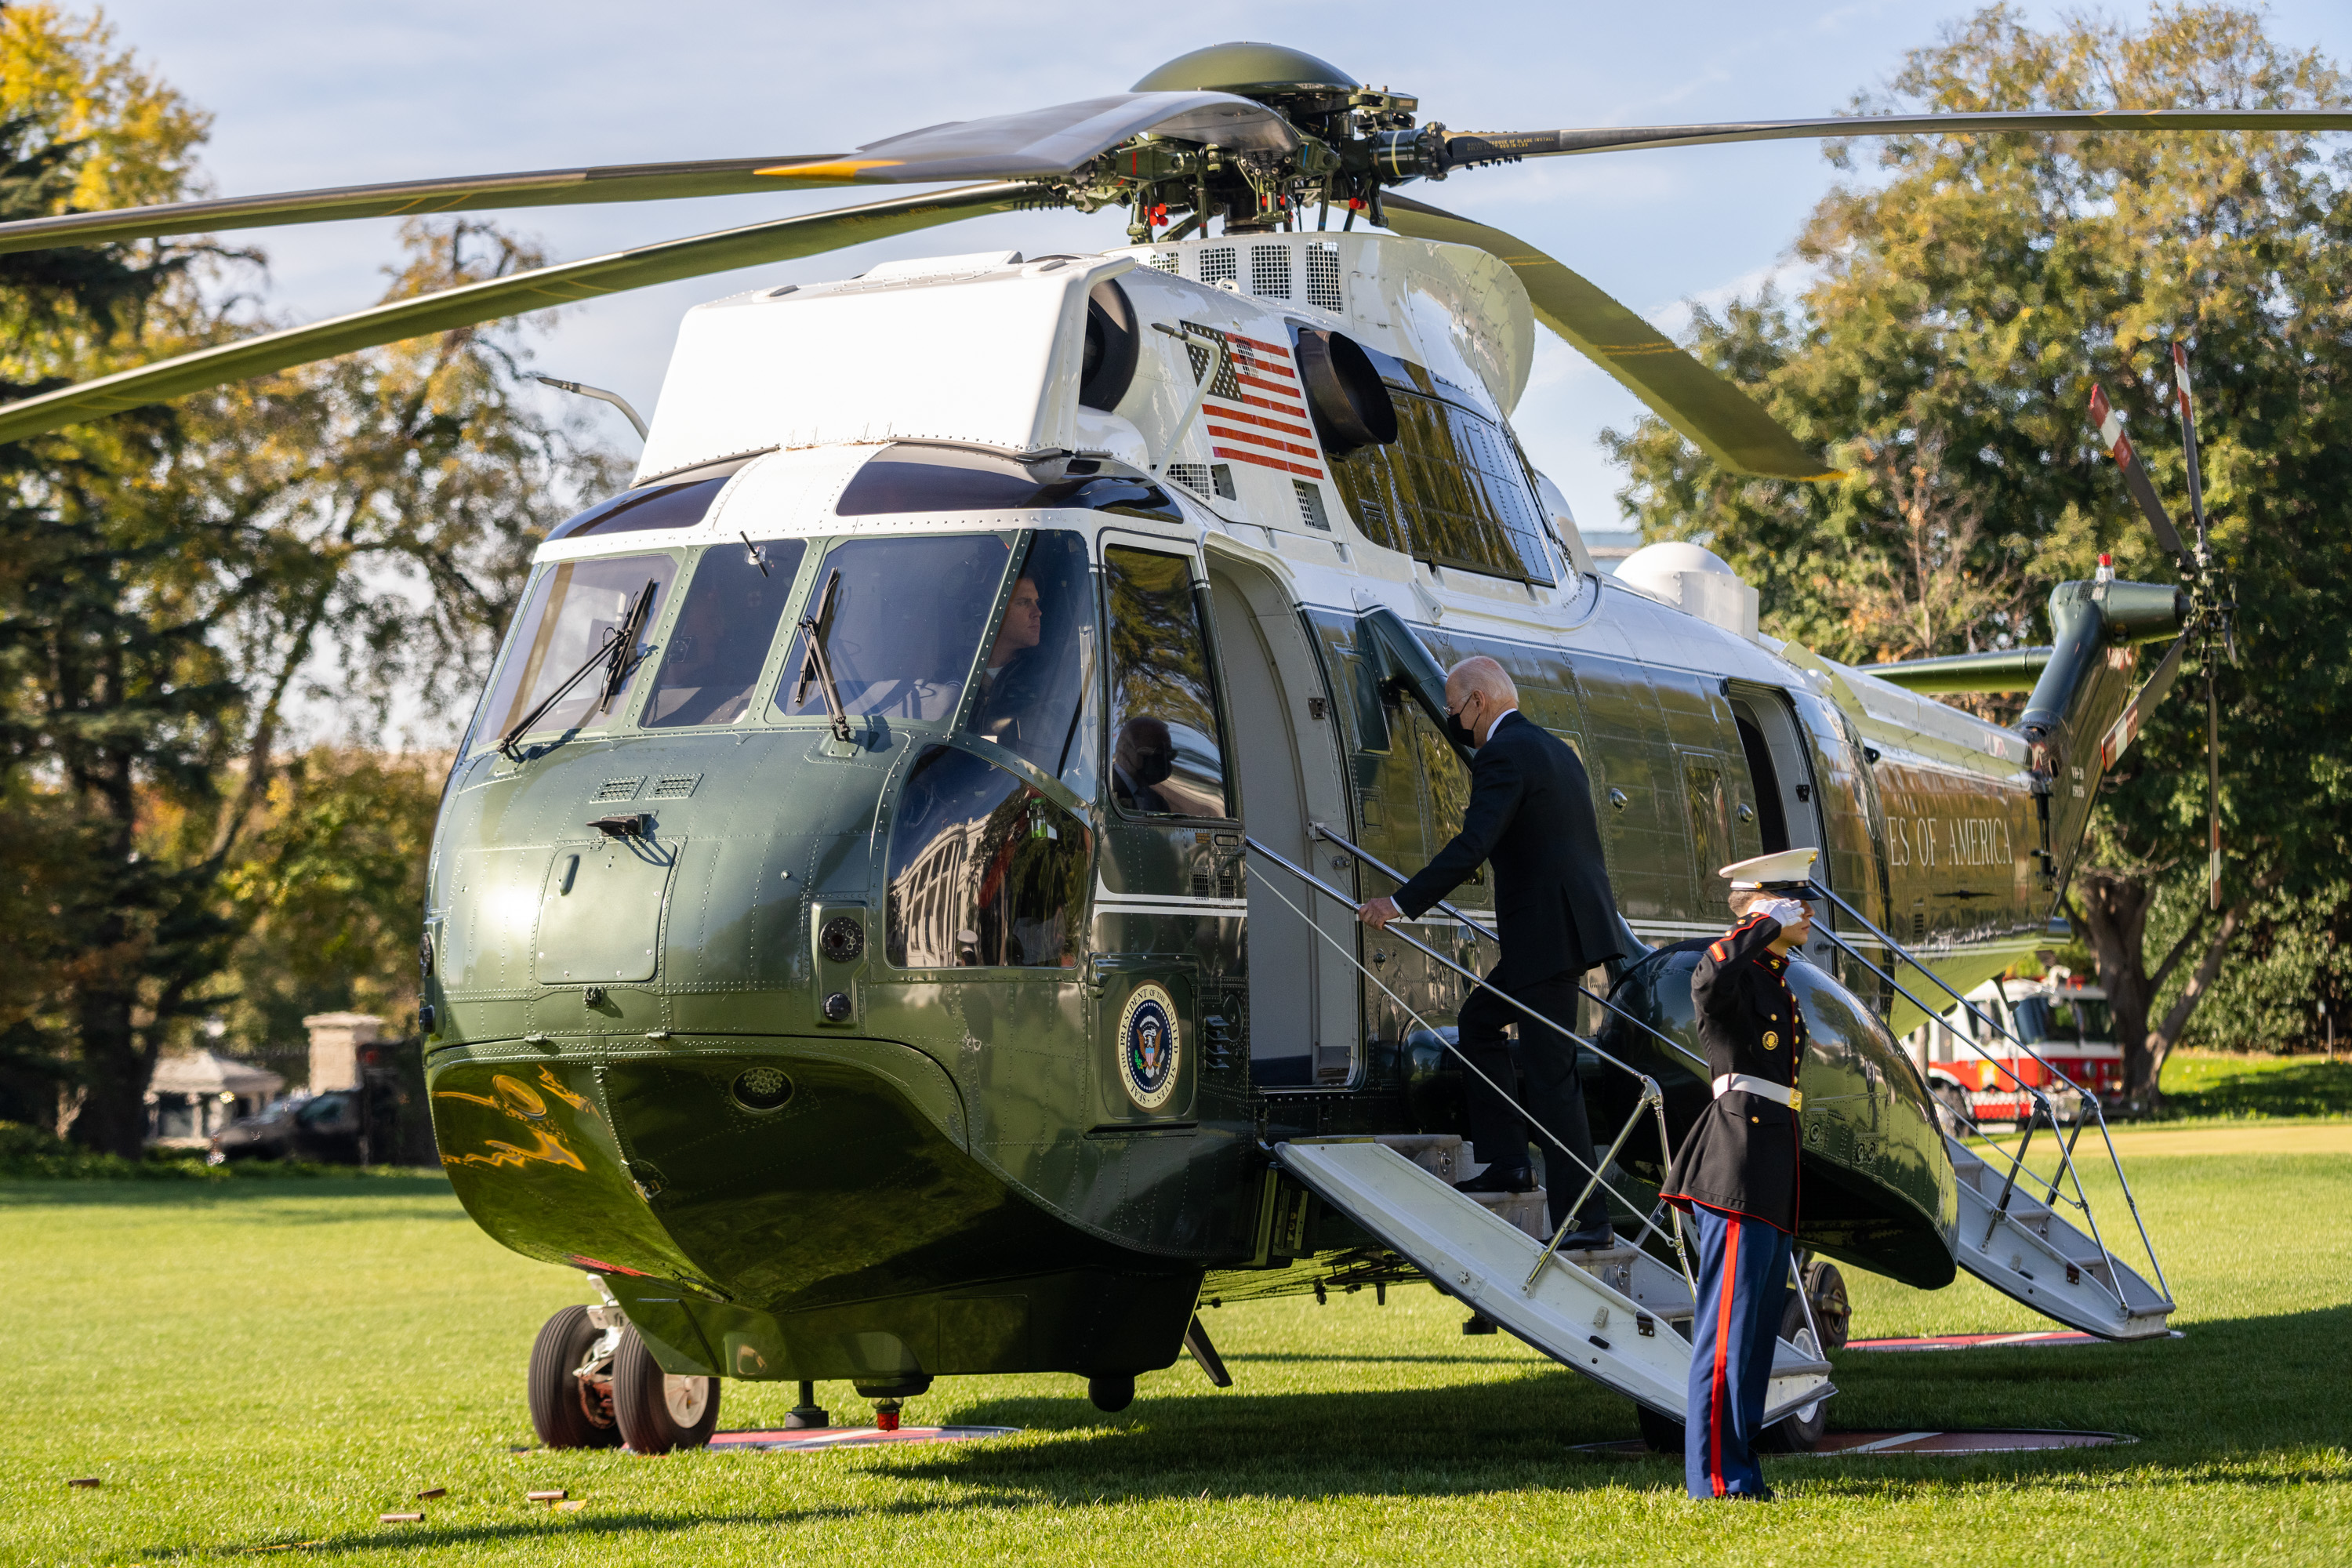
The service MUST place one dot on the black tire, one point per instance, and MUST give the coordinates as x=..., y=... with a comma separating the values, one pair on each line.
x=1799, y=1431
x=568, y=1411
x=1664, y=1434
x=1111, y=1390
x=1832, y=1308
x=658, y=1413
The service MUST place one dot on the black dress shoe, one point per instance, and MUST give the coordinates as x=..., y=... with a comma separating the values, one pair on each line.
x=1600, y=1238
x=1499, y=1179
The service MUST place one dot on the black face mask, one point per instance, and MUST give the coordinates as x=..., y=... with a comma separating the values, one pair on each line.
x=1459, y=733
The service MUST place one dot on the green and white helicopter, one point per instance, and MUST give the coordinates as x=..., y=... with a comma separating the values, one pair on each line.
x=891, y=916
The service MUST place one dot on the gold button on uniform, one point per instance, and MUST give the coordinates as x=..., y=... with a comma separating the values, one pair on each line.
x=1771, y=1040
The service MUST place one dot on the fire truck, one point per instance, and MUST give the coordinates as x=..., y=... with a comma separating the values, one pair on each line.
x=1975, y=1072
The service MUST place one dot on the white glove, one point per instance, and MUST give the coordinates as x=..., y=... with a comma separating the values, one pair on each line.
x=1788, y=911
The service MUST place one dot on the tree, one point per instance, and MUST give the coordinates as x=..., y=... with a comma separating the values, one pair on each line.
x=1964, y=302
x=351, y=534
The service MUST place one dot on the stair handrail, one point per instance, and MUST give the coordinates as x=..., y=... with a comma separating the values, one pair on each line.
x=2043, y=1105
x=1652, y=1099
x=1320, y=831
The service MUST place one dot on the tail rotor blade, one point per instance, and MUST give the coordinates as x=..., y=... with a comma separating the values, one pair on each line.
x=2212, y=788
x=2189, y=441
x=2144, y=701
x=2110, y=426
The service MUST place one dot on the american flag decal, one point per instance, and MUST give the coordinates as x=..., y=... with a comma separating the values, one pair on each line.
x=1254, y=410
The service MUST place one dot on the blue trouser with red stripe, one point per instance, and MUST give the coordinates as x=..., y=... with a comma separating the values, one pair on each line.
x=1743, y=1279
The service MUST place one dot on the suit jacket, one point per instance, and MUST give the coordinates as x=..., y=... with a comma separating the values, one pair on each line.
x=1531, y=813
x=1742, y=1155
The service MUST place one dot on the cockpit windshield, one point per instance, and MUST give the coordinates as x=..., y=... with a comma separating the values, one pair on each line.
x=907, y=621
x=574, y=609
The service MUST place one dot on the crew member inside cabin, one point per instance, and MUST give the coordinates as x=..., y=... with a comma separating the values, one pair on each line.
x=1009, y=685
x=1531, y=813
x=1736, y=1173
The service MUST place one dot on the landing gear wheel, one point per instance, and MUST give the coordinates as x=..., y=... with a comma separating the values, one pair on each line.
x=1832, y=1308
x=658, y=1411
x=1799, y=1431
x=1111, y=1390
x=1664, y=1434
x=570, y=1411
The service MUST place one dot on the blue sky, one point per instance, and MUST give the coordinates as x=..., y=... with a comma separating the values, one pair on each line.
x=330, y=92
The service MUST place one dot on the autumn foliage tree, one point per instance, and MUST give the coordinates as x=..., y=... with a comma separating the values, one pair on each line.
x=178, y=584
x=1965, y=296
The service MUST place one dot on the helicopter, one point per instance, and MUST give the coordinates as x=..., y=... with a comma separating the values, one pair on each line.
x=891, y=912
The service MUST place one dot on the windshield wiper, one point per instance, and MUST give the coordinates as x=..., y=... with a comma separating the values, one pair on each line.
x=815, y=666
x=614, y=653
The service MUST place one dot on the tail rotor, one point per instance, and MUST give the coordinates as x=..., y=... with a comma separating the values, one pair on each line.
x=2212, y=619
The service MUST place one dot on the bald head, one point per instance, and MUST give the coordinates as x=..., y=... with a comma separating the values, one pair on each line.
x=1479, y=691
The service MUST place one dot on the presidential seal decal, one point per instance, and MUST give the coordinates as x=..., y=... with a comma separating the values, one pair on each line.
x=1149, y=1046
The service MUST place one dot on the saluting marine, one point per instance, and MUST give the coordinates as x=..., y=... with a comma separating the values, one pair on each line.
x=1736, y=1175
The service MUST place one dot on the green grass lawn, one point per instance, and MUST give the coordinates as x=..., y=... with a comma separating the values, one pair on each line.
x=256, y=1365
x=2218, y=1086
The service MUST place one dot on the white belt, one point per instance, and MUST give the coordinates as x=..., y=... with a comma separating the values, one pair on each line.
x=1748, y=1083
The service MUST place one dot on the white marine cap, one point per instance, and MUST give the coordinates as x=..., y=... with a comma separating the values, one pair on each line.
x=1787, y=869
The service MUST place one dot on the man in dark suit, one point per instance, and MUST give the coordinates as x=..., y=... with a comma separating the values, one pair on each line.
x=1531, y=813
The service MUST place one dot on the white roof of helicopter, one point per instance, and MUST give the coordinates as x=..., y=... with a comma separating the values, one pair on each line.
x=986, y=348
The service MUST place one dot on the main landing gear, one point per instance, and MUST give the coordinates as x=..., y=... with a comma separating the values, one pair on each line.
x=593, y=1384
x=1799, y=1431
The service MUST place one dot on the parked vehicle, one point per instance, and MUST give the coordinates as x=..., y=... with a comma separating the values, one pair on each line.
x=1975, y=1073
x=324, y=1128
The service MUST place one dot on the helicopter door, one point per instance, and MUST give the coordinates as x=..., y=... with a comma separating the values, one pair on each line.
x=1169, y=909
x=1302, y=993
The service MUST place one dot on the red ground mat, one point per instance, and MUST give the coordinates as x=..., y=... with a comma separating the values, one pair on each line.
x=813, y=1438
x=1977, y=1341
x=1835, y=1444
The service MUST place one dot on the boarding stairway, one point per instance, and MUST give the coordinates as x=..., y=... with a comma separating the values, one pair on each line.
x=1617, y=1316
x=2011, y=1233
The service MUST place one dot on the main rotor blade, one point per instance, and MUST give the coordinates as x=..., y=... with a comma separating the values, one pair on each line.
x=1722, y=421
x=1483, y=146
x=2110, y=426
x=405, y=198
x=778, y=240
x=2126, y=727
x=1035, y=143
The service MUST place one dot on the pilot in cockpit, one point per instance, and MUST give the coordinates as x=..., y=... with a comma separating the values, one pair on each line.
x=1011, y=686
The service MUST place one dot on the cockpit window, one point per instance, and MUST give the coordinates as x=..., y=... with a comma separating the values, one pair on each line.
x=678, y=505
x=1168, y=756
x=913, y=477
x=907, y=622
x=1037, y=677
x=724, y=629
x=573, y=611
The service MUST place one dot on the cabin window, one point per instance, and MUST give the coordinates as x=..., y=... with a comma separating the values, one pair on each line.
x=680, y=505
x=724, y=629
x=1168, y=755
x=572, y=611
x=1450, y=491
x=983, y=870
x=1036, y=682
x=913, y=477
x=906, y=621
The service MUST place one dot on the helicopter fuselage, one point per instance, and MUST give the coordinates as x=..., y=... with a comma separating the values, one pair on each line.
x=863, y=969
